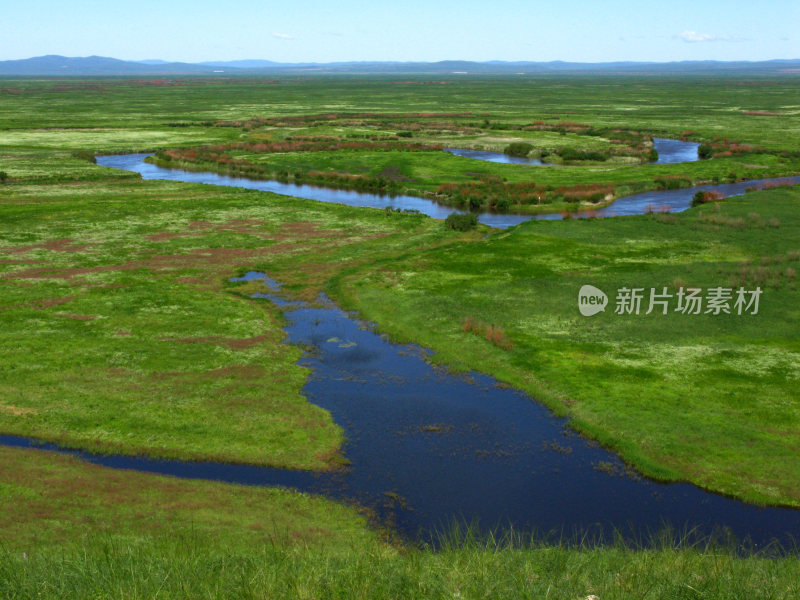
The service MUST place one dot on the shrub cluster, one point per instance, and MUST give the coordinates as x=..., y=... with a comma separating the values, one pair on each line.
x=572, y=154
x=496, y=194
x=492, y=193
x=461, y=222
x=702, y=197
x=589, y=192
x=521, y=149
x=672, y=182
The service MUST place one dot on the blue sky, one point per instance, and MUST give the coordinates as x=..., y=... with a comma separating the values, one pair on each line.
x=413, y=30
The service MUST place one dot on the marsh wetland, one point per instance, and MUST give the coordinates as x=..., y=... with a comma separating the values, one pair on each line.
x=405, y=376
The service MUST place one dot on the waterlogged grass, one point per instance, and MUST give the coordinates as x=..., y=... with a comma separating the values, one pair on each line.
x=121, y=333
x=707, y=398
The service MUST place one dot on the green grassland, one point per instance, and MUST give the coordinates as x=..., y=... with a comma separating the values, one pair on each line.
x=121, y=333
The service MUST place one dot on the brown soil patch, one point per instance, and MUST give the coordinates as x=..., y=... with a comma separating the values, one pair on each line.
x=122, y=333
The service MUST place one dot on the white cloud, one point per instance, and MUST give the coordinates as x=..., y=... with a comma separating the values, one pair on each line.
x=283, y=36
x=692, y=37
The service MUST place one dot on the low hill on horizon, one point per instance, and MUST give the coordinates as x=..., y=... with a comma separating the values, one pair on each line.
x=55, y=65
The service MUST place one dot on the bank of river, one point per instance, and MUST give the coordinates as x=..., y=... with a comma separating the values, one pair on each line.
x=428, y=447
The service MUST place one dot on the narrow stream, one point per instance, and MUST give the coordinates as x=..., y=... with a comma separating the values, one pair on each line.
x=429, y=448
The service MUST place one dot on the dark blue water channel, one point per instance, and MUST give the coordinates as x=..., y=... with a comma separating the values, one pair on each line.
x=429, y=448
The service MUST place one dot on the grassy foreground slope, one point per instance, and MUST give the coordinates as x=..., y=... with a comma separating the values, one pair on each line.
x=73, y=530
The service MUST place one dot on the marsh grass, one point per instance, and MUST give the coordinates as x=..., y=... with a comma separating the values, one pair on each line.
x=462, y=568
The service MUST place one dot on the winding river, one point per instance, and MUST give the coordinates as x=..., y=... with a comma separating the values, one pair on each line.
x=668, y=200
x=428, y=447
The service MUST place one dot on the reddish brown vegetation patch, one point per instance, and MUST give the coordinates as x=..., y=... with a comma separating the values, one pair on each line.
x=493, y=333
x=723, y=147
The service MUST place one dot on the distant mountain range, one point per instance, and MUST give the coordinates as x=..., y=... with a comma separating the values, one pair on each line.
x=54, y=65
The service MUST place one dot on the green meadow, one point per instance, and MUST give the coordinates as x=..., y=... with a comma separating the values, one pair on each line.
x=120, y=332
